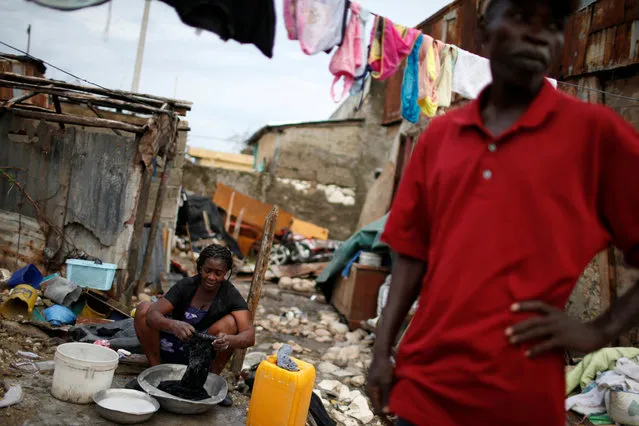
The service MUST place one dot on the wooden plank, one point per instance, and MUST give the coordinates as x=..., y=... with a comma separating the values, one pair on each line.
x=81, y=98
x=309, y=230
x=129, y=96
x=301, y=270
x=80, y=121
x=255, y=211
x=255, y=292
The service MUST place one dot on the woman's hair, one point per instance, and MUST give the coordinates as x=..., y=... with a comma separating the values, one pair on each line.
x=215, y=251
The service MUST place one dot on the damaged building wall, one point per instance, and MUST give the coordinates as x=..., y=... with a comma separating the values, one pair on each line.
x=329, y=206
x=84, y=183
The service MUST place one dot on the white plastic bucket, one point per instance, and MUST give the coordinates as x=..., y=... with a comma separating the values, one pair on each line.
x=82, y=369
x=370, y=259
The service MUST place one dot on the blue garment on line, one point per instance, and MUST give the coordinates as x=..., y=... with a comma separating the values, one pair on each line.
x=410, y=86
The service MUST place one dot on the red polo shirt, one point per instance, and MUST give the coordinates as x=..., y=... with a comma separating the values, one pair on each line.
x=502, y=220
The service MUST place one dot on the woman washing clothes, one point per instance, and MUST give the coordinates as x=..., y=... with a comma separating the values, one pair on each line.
x=206, y=303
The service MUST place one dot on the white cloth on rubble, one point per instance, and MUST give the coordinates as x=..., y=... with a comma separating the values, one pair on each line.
x=472, y=74
x=592, y=399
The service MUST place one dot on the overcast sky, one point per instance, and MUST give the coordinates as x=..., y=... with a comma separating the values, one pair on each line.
x=234, y=88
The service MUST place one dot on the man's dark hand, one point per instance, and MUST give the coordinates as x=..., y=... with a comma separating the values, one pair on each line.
x=556, y=329
x=380, y=381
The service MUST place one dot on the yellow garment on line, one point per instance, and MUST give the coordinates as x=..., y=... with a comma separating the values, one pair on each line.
x=445, y=80
x=429, y=72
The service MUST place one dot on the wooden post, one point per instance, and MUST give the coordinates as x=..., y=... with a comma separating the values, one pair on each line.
x=155, y=222
x=257, y=282
x=227, y=226
x=238, y=225
x=138, y=233
x=169, y=159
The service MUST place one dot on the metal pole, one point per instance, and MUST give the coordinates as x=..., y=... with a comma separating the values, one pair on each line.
x=29, y=39
x=141, y=42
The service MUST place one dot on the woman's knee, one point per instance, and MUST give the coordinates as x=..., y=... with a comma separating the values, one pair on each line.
x=226, y=325
x=141, y=313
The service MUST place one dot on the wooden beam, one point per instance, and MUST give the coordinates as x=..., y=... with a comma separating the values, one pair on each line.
x=19, y=99
x=135, y=97
x=229, y=213
x=83, y=98
x=79, y=121
x=238, y=225
x=99, y=115
x=255, y=292
x=58, y=108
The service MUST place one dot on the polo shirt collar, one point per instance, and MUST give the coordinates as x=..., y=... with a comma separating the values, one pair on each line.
x=539, y=110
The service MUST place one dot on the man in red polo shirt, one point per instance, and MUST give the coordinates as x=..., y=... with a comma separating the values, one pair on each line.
x=504, y=203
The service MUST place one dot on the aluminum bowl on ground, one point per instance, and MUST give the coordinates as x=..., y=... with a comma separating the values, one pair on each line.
x=150, y=378
x=125, y=406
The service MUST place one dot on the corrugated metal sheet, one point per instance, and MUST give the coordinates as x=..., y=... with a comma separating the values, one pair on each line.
x=83, y=182
x=100, y=169
x=602, y=36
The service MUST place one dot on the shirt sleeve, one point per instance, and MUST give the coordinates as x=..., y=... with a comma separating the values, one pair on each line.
x=406, y=230
x=235, y=300
x=177, y=292
x=619, y=197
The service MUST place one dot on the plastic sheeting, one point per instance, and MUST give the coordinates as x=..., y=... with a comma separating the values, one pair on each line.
x=366, y=239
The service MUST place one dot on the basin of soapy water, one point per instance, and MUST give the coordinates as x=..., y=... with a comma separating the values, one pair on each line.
x=125, y=406
x=150, y=379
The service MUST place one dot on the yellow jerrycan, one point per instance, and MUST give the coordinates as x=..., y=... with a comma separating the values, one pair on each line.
x=281, y=397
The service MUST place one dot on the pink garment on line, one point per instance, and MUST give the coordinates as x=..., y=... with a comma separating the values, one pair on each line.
x=348, y=58
x=290, y=20
x=391, y=43
x=428, y=74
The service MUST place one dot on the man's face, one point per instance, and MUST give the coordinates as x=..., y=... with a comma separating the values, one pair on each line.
x=523, y=38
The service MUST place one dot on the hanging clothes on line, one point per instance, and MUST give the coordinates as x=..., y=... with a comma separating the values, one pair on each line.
x=348, y=58
x=319, y=25
x=445, y=80
x=362, y=71
x=472, y=74
x=410, y=85
x=428, y=74
x=245, y=21
x=290, y=20
x=390, y=44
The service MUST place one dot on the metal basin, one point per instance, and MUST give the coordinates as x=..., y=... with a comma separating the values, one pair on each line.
x=125, y=406
x=150, y=378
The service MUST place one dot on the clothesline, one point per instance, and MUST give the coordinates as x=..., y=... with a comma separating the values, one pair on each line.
x=603, y=92
x=52, y=66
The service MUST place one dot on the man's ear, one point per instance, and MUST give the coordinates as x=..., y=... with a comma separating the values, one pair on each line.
x=482, y=36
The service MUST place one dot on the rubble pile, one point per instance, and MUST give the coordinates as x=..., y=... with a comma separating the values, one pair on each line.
x=341, y=369
x=297, y=284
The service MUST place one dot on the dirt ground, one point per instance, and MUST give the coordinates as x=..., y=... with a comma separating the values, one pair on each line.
x=40, y=407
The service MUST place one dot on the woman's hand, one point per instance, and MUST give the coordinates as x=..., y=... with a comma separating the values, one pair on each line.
x=182, y=330
x=223, y=342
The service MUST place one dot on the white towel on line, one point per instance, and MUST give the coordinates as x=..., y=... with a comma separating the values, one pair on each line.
x=472, y=74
